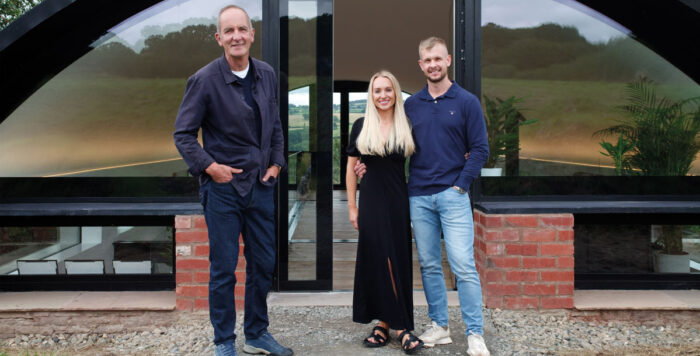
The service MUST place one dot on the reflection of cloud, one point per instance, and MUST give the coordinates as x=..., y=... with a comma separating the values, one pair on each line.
x=357, y=96
x=178, y=12
x=303, y=9
x=300, y=97
x=592, y=25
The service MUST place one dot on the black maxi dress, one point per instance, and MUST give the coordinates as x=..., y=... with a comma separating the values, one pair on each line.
x=383, y=287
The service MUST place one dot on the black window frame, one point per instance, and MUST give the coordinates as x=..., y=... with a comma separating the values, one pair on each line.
x=102, y=282
x=600, y=199
x=89, y=20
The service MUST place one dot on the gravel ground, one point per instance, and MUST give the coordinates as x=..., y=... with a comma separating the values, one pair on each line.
x=330, y=331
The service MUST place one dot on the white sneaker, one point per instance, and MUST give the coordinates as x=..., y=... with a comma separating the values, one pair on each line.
x=435, y=335
x=477, y=346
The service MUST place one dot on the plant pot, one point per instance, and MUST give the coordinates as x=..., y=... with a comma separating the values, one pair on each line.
x=491, y=172
x=665, y=263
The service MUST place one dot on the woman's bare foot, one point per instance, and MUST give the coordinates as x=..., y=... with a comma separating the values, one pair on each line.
x=410, y=344
x=379, y=336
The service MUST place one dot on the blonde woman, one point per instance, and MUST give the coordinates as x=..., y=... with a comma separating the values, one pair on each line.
x=383, y=288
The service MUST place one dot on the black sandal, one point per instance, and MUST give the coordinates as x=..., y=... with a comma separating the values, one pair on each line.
x=406, y=345
x=379, y=338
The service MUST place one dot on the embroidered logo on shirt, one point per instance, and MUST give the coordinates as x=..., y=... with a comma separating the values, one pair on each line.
x=452, y=112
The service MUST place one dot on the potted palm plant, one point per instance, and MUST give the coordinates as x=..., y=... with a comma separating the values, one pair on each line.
x=660, y=138
x=619, y=153
x=662, y=133
x=503, y=119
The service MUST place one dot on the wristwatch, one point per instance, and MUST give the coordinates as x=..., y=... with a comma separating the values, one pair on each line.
x=459, y=189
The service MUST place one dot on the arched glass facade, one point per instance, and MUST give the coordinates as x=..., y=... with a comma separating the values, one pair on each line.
x=106, y=122
x=570, y=67
x=101, y=127
x=111, y=112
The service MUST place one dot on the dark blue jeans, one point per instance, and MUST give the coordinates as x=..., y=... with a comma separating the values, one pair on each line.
x=228, y=214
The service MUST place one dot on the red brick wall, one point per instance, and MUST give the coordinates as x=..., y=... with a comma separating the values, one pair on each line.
x=525, y=261
x=192, y=265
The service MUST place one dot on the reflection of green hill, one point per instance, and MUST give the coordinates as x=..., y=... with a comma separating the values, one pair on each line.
x=175, y=54
x=554, y=52
x=85, y=122
x=568, y=113
x=75, y=123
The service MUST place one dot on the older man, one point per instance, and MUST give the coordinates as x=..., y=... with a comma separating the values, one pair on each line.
x=233, y=100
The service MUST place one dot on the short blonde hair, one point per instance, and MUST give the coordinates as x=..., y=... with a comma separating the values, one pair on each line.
x=370, y=140
x=429, y=43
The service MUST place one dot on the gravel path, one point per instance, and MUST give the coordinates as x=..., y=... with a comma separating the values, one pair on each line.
x=330, y=331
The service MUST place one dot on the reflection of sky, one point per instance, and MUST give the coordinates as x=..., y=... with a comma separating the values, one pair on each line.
x=509, y=13
x=593, y=26
x=302, y=9
x=178, y=12
x=300, y=97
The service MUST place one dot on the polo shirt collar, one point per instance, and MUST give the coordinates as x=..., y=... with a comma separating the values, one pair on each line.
x=451, y=93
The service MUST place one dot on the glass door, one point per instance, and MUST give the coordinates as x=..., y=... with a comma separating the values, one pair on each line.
x=326, y=59
x=306, y=110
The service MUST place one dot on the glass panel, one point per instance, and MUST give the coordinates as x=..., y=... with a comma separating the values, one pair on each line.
x=568, y=67
x=358, y=103
x=111, y=113
x=336, y=138
x=298, y=141
x=303, y=121
x=637, y=248
x=355, y=60
x=86, y=250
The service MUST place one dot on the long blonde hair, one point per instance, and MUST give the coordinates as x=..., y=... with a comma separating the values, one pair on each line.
x=370, y=141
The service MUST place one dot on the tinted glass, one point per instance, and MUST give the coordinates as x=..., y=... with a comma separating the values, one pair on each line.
x=302, y=133
x=86, y=250
x=111, y=113
x=571, y=70
x=637, y=249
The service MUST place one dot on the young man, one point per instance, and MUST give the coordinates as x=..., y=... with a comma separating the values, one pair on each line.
x=447, y=123
x=233, y=100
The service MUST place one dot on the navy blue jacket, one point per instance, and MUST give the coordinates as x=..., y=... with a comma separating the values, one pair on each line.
x=214, y=101
x=445, y=128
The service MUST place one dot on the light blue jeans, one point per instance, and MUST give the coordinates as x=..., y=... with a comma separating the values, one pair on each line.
x=449, y=211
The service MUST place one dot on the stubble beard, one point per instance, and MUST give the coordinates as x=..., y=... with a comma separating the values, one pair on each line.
x=439, y=79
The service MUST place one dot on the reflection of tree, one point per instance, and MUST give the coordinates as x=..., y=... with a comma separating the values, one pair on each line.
x=555, y=52
x=12, y=9
x=176, y=54
x=111, y=58
x=302, y=47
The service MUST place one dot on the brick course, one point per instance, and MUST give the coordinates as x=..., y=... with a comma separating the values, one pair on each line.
x=192, y=265
x=525, y=260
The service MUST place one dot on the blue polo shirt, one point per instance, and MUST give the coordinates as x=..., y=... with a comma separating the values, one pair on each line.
x=445, y=128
